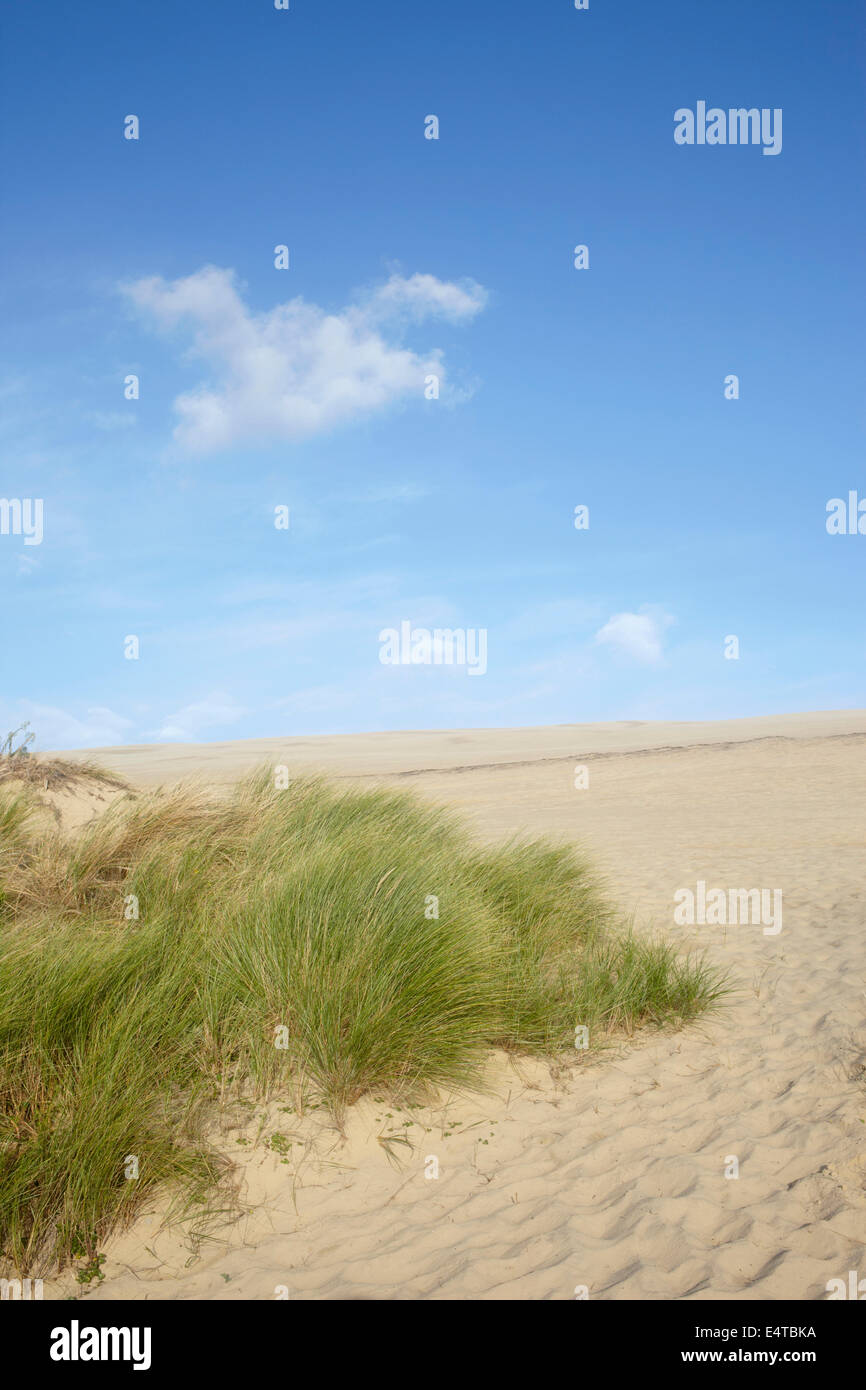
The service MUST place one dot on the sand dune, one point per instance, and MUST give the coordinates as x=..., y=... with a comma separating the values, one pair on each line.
x=607, y=1175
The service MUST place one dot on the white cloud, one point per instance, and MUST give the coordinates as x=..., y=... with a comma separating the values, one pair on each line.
x=423, y=296
x=212, y=712
x=638, y=635
x=57, y=728
x=297, y=370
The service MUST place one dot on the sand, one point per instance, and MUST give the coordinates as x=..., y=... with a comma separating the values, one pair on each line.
x=602, y=1177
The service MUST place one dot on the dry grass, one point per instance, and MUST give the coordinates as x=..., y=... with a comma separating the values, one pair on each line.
x=48, y=774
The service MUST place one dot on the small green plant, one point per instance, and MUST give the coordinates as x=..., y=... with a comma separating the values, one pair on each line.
x=92, y=1268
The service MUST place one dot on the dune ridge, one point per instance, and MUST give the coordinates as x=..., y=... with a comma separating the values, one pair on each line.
x=608, y=1177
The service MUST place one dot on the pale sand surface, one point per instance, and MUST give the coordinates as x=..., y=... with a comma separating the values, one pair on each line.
x=608, y=1174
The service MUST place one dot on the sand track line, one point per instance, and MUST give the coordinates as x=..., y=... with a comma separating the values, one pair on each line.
x=595, y=757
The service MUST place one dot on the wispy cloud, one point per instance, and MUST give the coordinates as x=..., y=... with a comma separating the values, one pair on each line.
x=297, y=370
x=58, y=728
x=213, y=712
x=423, y=296
x=637, y=635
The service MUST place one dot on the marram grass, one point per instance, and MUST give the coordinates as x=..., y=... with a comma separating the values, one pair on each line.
x=363, y=931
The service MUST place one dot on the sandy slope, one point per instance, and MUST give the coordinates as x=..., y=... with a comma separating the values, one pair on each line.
x=609, y=1175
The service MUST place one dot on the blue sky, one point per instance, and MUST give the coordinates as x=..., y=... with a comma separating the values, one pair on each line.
x=304, y=387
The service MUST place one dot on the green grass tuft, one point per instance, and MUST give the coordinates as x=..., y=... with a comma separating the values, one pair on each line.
x=309, y=911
